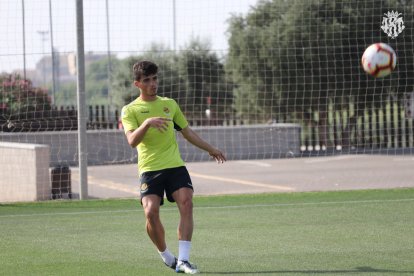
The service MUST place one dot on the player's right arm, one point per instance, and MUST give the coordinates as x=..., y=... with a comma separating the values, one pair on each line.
x=135, y=136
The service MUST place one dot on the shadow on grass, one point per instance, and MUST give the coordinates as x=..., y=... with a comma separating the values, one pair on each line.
x=362, y=269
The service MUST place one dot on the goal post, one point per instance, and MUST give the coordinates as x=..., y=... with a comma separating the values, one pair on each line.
x=81, y=100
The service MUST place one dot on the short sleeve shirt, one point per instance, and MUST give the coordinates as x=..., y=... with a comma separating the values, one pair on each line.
x=158, y=150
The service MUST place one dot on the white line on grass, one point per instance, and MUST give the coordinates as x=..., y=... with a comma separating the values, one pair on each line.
x=216, y=207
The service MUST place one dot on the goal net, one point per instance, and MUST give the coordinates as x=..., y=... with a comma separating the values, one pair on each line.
x=259, y=79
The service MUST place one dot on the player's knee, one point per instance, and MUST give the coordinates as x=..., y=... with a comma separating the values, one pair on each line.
x=186, y=204
x=152, y=214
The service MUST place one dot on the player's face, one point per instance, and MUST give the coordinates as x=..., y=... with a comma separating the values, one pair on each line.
x=148, y=86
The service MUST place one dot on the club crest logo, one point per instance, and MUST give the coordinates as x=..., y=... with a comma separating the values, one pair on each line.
x=144, y=187
x=392, y=24
x=166, y=111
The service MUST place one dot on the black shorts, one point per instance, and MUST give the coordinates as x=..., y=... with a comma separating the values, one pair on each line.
x=167, y=180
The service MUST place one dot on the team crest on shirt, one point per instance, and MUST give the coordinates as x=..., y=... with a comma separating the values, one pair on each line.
x=144, y=187
x=166, y=111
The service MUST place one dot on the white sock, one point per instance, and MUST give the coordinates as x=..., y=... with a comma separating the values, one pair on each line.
x=184, y=248
x=167, y=257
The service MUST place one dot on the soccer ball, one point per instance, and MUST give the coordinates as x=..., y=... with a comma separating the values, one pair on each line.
x=379, y=60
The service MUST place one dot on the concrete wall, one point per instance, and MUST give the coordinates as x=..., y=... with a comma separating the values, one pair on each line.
x=246, y=142
x=24, y=173
x=104, y=146
x=110, y=146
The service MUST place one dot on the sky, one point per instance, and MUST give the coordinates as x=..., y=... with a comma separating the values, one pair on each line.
x=134, y=26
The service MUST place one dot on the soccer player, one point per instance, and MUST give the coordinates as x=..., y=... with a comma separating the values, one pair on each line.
x=150, y=122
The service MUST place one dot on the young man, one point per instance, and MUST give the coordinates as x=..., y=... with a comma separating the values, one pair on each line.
x=150, y=123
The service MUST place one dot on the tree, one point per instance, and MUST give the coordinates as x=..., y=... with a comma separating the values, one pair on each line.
x=96, y=82
x=206, y=86
x=194, y=77
x=295, y=56
x=253, y=59
x=66, y=94
x=170, y=82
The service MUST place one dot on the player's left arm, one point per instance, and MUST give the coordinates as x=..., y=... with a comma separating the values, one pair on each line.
x=197, y=141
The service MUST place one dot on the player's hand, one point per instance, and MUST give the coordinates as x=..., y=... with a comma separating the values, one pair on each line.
x=218, y=156
x=159, y=123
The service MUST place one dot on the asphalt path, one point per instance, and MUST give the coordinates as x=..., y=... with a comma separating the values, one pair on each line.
x=340, y=172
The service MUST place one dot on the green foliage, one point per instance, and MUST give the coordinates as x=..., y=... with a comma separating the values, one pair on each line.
x=299, y=54
x=66, y=95
x=189, y=76
x=96, y=85
x=206, y=86
x=170, y=83
x=122, y=82
x=284, y=57
x=18, y=96
x=98, y=78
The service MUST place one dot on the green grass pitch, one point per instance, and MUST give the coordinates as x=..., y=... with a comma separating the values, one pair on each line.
x=368, y=232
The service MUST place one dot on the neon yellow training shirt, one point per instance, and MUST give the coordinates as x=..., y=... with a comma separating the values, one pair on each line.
x=157, y=150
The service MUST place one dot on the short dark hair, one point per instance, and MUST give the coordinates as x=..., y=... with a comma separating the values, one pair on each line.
x=144, y=68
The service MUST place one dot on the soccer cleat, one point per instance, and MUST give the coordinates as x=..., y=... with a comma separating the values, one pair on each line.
x=186, y=267
x=174, y=264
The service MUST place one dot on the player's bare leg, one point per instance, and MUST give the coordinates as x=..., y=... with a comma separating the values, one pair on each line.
x=184, y=199
x=155, y=229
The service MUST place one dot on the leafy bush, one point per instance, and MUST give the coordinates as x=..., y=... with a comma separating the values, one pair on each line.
x=19, y=98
